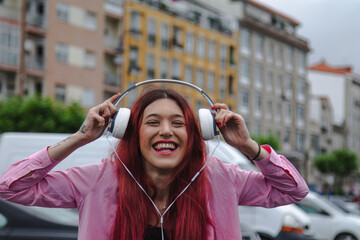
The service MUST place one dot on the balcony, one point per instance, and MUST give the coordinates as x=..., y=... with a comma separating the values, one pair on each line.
x=114, y=6
x=35, y=63
x=12, y=13
x=112, y=79
x=36, y=20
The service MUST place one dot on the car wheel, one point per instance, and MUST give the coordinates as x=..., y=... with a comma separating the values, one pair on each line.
x=345, y=236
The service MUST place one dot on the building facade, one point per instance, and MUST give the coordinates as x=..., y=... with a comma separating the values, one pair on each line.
x=342, y=87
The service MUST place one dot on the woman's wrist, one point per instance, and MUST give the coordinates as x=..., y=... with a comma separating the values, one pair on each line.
x=254, y=151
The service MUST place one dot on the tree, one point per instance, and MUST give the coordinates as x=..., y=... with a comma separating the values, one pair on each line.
x=37, y=114
x=341, y=163
x=270, y=139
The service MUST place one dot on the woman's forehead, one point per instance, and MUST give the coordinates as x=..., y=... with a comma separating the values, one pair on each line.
x=163, y=106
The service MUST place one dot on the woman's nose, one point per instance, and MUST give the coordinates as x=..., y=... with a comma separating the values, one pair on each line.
x=165, y=129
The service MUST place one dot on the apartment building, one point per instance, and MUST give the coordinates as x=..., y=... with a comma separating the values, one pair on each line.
x=342, y=87
x=70, y=49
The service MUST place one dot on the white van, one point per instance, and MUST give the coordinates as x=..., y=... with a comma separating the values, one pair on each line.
x=284, y=222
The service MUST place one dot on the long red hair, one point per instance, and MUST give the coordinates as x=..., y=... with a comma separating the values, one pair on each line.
x=188, y=217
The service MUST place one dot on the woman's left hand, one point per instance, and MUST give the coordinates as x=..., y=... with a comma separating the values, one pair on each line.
x=233, y=128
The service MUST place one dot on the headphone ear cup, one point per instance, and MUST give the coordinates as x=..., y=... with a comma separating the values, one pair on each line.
x=207, y=124
x=120, y=122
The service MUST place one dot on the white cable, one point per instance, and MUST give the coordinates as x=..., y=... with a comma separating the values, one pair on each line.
x=153, y=203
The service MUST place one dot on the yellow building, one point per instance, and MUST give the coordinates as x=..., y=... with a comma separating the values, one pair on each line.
x=159, y=44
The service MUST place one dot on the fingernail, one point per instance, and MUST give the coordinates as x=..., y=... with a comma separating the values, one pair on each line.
x=219, y=124
x=212, y=107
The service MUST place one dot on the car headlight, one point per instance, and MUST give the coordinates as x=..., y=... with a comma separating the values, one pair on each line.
x=292, y=224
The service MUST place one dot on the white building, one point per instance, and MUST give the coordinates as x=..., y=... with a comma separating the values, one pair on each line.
x=342, y=87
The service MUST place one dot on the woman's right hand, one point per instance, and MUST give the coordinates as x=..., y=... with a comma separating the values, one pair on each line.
x=93, y=127
x=97, y=119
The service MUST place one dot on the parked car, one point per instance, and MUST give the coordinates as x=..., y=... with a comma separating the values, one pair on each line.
x=346, y=206
x=34, y=223
x=280, y=223
x=328, y=222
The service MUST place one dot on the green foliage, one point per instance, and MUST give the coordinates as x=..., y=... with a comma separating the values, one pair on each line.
x=340, y=162
x=270, y=139
x=37, y=114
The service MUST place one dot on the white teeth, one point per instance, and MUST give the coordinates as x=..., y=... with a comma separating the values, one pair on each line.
x=164, y=145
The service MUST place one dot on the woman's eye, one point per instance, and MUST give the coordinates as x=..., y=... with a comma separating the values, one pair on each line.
x=178, y=123
x=152, y=123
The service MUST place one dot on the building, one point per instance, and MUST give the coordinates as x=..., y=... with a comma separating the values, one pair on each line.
x=240, y=52
x=342, y=87
x=69, y=52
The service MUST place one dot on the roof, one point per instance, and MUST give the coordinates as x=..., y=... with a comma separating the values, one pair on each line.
x=324, y=67
x=271, y=10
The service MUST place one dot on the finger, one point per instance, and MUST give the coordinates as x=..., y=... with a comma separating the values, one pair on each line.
x=218, y=106
x=114, y=98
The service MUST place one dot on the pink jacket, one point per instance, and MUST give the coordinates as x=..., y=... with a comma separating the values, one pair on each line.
x=92, y=189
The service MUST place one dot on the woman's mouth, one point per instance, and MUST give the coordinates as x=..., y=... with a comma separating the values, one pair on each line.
x=164, y=147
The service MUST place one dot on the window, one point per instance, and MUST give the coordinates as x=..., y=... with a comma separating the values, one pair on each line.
x=3, y=219
x=165, y=36
x=259, y=76
x=300, y=115
x=301, y=62
x=151, y=30
x=287, y=135
x=200, y=78
x=289, y=57
x=200, y=47
x=62, y=11
x=270, y=52
x=211, y=50
x=134, y=54
x=301, y=89
x=90, y=59
x=150, y=62
x=245, y=40
x=62, y=52
x=269, y=82
x=245, y=71
x=211, y=82
x=259, y=46
x=288, y=86
x=177, y=39
x=90, y=21
x=88, y=98
x=278, y=88
x=258, y=105
x=269, y=109
x=244, y=101
x=231, y=85
x=189, y=43
x=176, y=69
x=299, y=142
x=278, y=114
x=288, y=113
x=279, y=56
x=60, y=93
x=163, y=67
x=188, y=73
x=135, y=24
x=223, y=56
x=222, y=87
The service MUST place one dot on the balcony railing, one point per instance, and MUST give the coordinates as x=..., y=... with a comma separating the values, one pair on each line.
x=111, y=79
x=35, y=63
x=36, y=20
x=114, y=6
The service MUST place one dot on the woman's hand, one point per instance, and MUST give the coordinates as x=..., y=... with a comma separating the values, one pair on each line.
x=233, y=128
x=97, y=119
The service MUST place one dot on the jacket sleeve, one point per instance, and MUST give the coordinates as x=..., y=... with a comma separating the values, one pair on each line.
x=277, y=184
x=56, y=189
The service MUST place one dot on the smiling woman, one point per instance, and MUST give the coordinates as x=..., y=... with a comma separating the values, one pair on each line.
x=158, y=175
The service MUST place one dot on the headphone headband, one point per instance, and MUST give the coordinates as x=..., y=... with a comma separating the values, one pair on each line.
x=211, y=102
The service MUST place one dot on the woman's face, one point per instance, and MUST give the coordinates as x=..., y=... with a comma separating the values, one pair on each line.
x=163, y=136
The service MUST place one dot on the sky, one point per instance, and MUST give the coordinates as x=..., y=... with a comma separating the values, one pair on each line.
x=332, y=28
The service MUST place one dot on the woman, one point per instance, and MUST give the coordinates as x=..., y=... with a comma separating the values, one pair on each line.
x=163, y=149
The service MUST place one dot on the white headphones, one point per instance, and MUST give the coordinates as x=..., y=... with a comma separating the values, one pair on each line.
x=121, y=119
